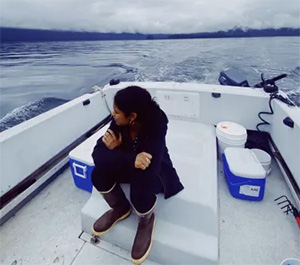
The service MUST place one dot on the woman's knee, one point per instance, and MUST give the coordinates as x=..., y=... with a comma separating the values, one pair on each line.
x=142, y=200
x=102, y=180
x=96, y=173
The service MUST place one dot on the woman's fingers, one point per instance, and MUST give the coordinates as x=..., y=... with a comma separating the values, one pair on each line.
x=144, y=163
x=147, y=155
x=147, y=158
x=143, y=160
x=108, y=135
x=112, y=134
x=106, y=138
x=112, y=139
x=107, y=142
x=104, y=141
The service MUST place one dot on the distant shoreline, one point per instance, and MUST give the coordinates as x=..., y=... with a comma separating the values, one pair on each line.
x=34, y=35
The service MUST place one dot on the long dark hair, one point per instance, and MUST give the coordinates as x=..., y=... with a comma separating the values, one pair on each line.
x=138, y=100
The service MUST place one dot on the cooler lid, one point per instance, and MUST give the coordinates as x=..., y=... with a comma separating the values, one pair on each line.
x=243, y=163
x=83, y=152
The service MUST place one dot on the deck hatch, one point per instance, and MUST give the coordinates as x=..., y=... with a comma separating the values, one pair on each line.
x=170, y=101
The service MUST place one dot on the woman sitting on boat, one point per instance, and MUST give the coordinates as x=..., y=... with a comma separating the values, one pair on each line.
x=133, y=150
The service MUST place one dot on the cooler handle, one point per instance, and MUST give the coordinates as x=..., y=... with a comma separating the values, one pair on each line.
x=77, y=173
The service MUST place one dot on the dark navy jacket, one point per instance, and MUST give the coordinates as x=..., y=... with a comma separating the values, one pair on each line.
x=151, y=139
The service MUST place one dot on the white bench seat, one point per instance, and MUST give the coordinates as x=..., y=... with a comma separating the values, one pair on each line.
x=187, y=224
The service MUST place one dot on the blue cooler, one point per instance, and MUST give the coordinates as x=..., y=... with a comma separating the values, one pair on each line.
x=81, y=161
x=245, y=175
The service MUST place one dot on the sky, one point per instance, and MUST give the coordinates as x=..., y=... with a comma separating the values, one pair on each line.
x=149, y=16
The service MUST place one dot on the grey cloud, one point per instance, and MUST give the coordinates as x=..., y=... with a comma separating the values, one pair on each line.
x=152, y=16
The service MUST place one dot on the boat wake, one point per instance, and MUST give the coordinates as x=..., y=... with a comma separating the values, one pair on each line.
x=70, y=69
x=29, y=111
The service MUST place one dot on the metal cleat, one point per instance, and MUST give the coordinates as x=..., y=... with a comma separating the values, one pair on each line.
x=95, y=240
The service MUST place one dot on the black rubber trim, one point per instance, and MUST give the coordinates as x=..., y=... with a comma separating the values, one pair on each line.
x=86, y=102
x=215, y=95
x=37, y=174
x=288, y=122
x=13, y=211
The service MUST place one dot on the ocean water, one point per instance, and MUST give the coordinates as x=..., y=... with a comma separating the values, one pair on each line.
x=38, y=76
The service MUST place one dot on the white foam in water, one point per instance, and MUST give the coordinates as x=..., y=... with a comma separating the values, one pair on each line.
x=28, y=111
x=17, y=116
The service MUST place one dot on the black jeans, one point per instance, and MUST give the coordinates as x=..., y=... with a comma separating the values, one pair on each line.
x=143, y=186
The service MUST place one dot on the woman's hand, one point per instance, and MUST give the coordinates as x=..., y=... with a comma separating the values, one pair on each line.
x=110, y=139
x=142, y=160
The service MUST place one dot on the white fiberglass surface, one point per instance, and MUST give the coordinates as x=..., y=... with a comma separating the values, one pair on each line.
x=46, y=230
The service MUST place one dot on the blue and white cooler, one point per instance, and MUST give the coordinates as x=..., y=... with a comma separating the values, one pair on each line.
x=81, y=161
x=245, y=175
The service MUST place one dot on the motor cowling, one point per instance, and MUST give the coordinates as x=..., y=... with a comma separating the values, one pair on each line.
x=232, y=77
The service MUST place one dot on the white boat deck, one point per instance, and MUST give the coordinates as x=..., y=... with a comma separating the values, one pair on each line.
x=48, y=229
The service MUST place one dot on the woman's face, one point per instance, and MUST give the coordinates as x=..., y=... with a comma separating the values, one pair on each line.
x=120, y=117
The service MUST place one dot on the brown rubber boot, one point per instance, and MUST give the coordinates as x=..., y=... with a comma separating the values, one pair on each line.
x=121, y=209
x=143, y=238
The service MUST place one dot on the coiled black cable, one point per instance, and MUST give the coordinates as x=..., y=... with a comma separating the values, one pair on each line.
x=272, y=96
x=264, y=122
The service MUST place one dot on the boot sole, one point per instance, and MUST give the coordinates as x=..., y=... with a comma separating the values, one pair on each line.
x=120, y=219
x=142, y=259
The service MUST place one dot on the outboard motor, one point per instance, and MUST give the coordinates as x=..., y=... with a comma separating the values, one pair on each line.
x=232, y=77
